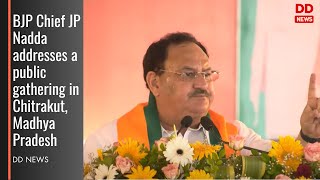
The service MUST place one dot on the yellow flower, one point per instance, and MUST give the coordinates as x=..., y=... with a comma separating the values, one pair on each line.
x=99, y=151
x=302, y=177
x=288, y=153
x=131, y=149
x=201, y=150
x=86, y=169
x=142, y=173
x=199, y=174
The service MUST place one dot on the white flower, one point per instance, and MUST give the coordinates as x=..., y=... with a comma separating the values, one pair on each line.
x=178, y=151
x=103, y=172
x=88, y=177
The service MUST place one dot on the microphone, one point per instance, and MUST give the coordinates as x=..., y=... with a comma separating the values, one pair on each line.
x=208, y=125
x=185, y=123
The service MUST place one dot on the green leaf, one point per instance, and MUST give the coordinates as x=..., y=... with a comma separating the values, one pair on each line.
x=209, y=161
x=108, y=161
x=162, y=147
x=154, y=149
x=222, y=153
x=215, y=168
x=186, y=169
x=215, y=156
x=265, y=158
x=207, y=168
x=255, y=152
x=219, y=162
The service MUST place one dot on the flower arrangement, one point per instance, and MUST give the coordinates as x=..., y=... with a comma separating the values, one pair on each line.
x=175, y=158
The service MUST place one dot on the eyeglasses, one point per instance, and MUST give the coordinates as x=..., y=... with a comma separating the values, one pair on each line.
x=211, y=75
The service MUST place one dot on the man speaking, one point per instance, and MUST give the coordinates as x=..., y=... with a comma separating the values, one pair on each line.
x=181, y=83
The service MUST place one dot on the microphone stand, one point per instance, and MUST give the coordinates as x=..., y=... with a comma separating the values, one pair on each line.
x=208, y=125
x=246, y=147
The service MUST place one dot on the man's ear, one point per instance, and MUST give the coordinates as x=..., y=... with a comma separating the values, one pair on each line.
x=153, y=82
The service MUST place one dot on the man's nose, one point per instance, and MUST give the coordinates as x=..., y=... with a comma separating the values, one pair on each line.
x=200, y=81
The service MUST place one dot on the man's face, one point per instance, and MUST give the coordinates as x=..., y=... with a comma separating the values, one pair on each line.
x=186, y=96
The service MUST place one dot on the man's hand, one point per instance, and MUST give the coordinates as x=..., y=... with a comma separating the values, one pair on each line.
x=310, y=118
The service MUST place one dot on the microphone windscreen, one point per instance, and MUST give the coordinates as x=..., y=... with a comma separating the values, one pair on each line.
x=186, y=121
x=206, y=123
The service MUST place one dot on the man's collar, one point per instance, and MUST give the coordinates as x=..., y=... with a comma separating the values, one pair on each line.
x=164, y=131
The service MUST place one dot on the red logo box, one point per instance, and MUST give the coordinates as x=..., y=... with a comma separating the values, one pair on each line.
x=304, y=8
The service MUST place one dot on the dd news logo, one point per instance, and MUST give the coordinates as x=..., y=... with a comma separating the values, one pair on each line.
x=304, y=9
